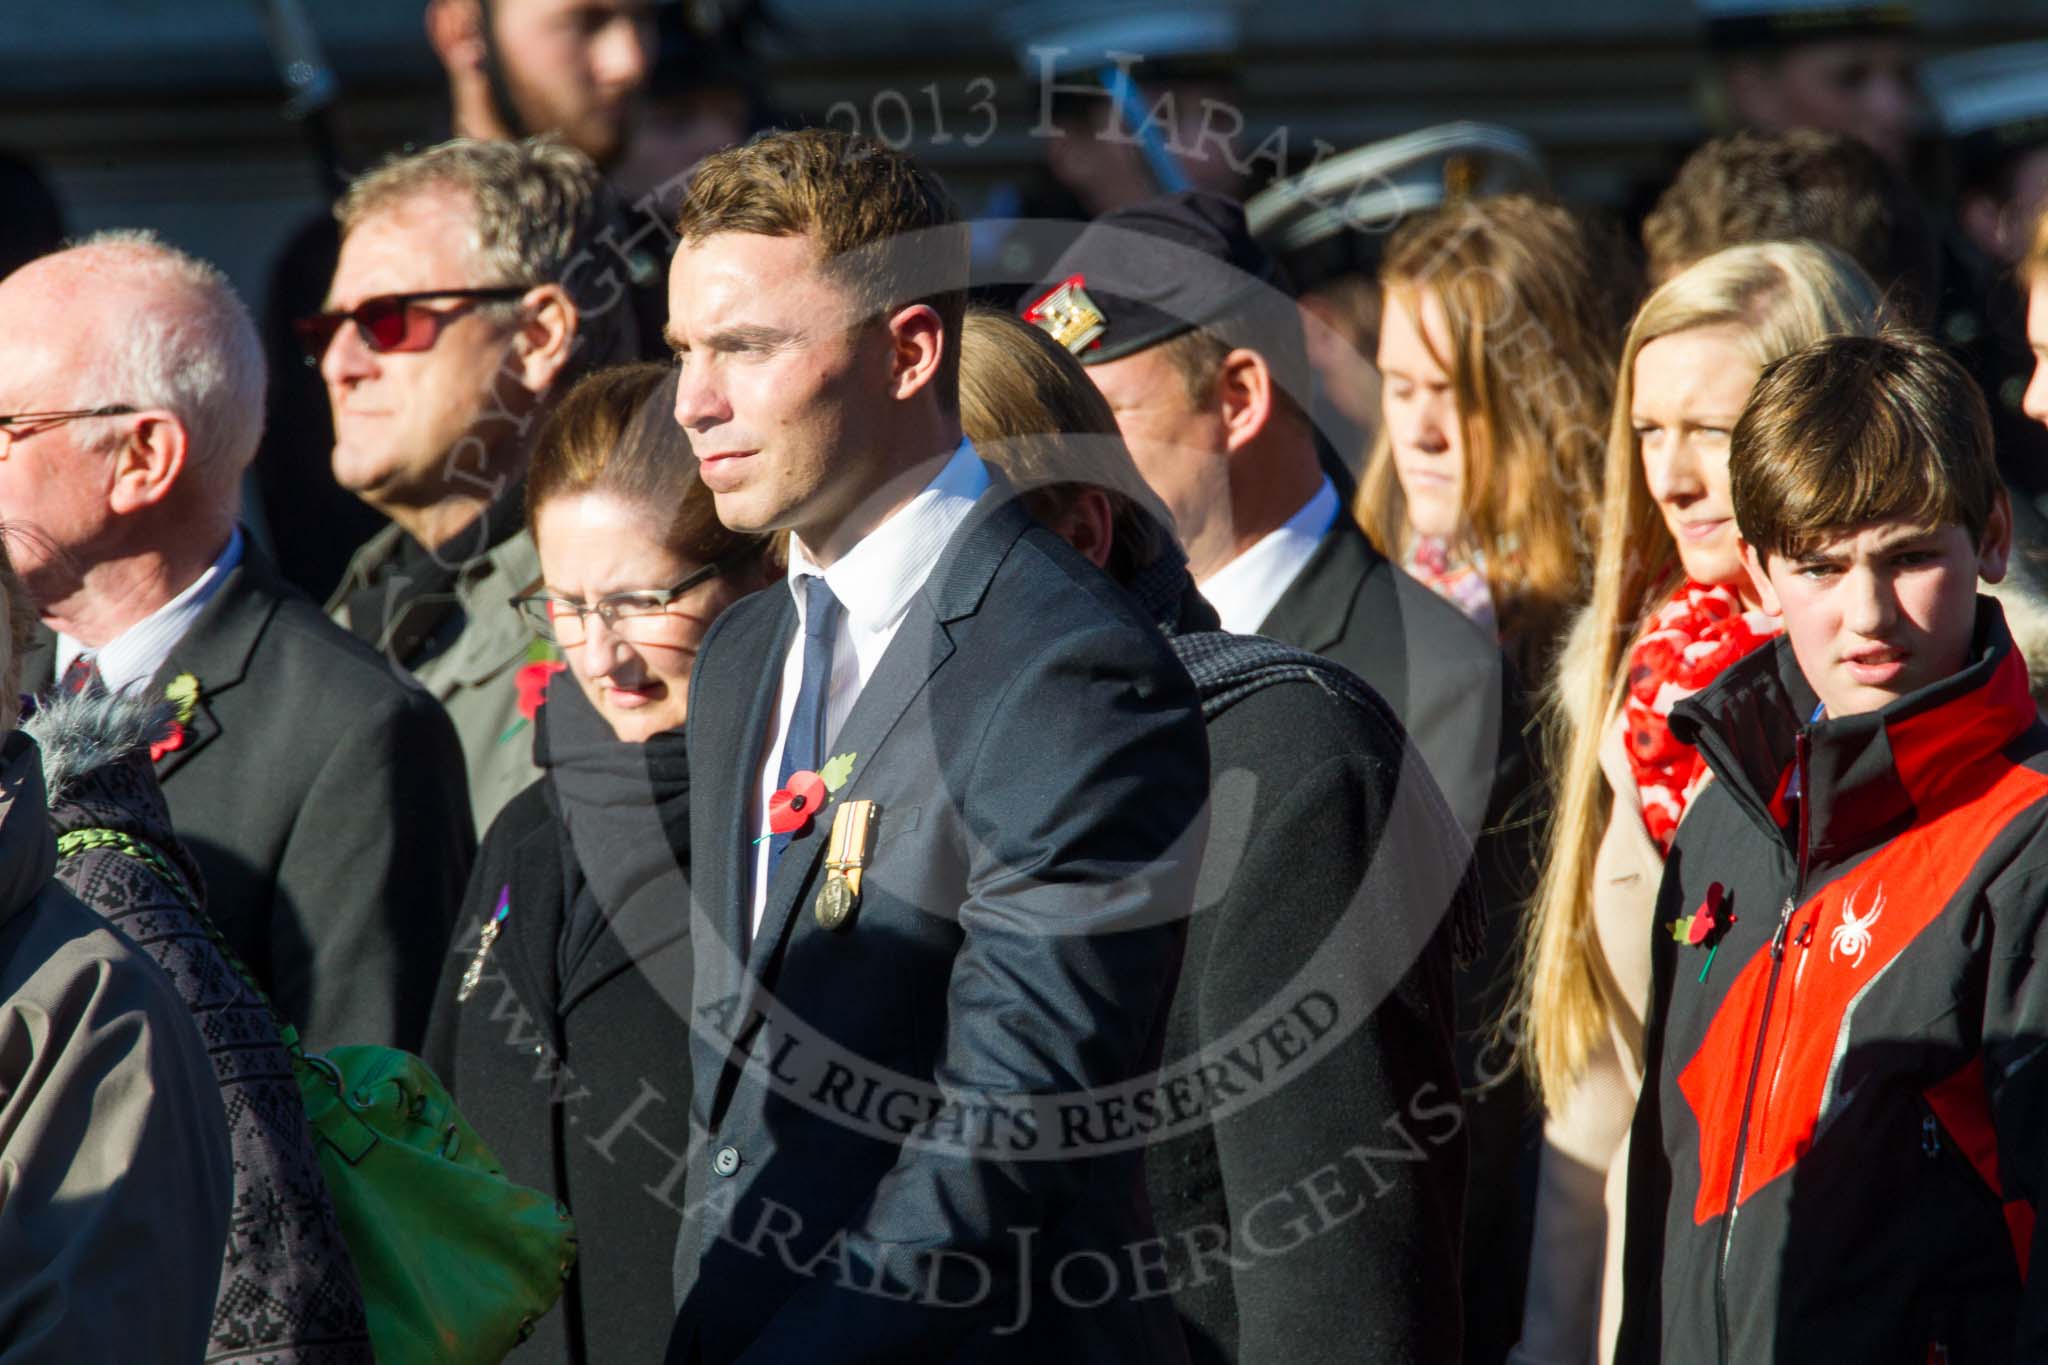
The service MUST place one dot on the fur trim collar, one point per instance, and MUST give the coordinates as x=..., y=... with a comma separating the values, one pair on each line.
x=83, y=733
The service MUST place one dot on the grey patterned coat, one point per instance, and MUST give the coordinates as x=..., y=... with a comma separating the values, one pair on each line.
x=288, y=1293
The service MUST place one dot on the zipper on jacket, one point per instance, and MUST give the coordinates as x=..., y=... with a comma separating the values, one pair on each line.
x=1763, y=1028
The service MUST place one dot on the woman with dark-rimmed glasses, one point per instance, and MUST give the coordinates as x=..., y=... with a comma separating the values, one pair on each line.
x=562, y=1019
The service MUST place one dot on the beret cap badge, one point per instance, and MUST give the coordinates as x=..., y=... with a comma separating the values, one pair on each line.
x=1068, y=315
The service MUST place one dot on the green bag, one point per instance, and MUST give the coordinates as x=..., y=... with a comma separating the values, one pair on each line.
x=456, y=1262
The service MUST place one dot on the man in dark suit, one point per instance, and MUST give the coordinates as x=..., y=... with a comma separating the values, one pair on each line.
x=322, y=795
x=1312, y=1217
x=907, y=1057
x=1187, y=327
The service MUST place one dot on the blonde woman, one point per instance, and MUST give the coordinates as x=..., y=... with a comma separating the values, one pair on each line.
x=1501, y=322
x=1671, y=607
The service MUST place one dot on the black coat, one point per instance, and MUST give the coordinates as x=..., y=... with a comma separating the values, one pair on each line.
x=580, y=1085
x=1461, y=701
x=323, y=796
x=1037, y=757
x=1333, y=1196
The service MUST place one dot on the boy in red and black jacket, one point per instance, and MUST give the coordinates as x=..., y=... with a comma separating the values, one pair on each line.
x=1844, y=1122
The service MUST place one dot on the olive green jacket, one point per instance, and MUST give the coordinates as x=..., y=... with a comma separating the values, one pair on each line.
x=471, y=663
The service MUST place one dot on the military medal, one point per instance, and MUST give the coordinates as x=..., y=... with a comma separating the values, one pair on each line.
x=846, y=854
x=474, y=972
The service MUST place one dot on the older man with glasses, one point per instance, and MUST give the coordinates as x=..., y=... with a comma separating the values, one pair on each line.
x=476, y=280
x=322, y=796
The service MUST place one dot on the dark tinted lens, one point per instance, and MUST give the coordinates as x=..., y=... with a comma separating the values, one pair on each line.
x=384, y=324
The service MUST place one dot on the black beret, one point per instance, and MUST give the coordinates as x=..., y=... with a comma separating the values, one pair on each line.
x=1142, y=275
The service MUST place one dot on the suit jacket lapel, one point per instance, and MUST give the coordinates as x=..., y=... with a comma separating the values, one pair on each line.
x=1316, y=608
x=216, y=650
x=922, y=645
x=732, y=702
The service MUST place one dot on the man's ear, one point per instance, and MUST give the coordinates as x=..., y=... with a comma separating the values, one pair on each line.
x=546, y=338
x=148, y=463
x=1244, y=397
x=1995, y=550
x=455, y=30
x=1090, y=526
x=1766, y=594
x=917, y=345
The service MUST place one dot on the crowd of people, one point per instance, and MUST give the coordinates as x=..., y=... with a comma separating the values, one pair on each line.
x=1186, y=812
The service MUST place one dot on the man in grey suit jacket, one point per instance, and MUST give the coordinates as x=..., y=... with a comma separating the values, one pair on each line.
x=321, y=793
x=910, y=1050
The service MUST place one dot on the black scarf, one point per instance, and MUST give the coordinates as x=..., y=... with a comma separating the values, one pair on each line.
x=406, y=600
x=623, y=814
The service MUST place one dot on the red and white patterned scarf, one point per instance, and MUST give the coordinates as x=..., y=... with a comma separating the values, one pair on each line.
x=1458, y=578
x=1683, y=647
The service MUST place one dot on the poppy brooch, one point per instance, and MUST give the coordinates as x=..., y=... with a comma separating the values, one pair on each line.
x=791, y=810
x=1706, y=926
x=182, y=692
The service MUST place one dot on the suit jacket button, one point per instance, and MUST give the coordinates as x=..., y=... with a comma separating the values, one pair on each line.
x=727, y=1162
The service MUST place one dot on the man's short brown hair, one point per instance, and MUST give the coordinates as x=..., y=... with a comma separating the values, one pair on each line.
x=1856, y=430
x=884, y=224
x=1793, y=186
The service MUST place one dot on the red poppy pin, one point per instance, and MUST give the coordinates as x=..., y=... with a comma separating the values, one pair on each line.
x=182, y=692
x=1706, y=926
x=532, y=682
x=794, y=807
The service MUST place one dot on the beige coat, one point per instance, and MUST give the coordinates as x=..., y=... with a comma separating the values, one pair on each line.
x=115, y=1173
x=472, y=676
x=1573, y=1307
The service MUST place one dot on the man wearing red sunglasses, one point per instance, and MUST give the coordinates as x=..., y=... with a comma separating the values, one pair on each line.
x=474, y=283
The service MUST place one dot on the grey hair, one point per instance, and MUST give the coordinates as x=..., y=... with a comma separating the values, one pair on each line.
x=543, y=215
x=190, y=347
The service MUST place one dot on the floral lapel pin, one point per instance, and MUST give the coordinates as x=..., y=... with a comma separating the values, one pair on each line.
x=1706, y=926
x=531, y=683
x=182, y=692
x=791, y=810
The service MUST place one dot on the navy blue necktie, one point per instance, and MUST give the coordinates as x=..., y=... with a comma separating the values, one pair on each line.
x=804, y=748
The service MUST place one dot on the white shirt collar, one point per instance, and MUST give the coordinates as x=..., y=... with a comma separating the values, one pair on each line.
x=875, y=580
x=132, y=658
x=1245, y=591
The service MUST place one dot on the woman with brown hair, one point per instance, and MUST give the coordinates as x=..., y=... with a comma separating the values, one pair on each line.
x=563, y=1010
x=1497, y=344
x=1672, y=607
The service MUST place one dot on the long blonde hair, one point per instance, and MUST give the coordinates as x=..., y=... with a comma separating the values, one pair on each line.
x=1534, y=320
x=1780, y=296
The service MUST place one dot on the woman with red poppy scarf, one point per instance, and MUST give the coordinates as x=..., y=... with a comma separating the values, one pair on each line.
x=1671, y=608
x=562, y=1018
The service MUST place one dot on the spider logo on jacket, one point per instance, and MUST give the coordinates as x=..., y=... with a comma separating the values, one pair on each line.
x=1852, y=935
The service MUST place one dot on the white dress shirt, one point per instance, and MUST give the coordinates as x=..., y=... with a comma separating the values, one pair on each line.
x=1245, y=591
x=129, y=660
x=874, y=582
